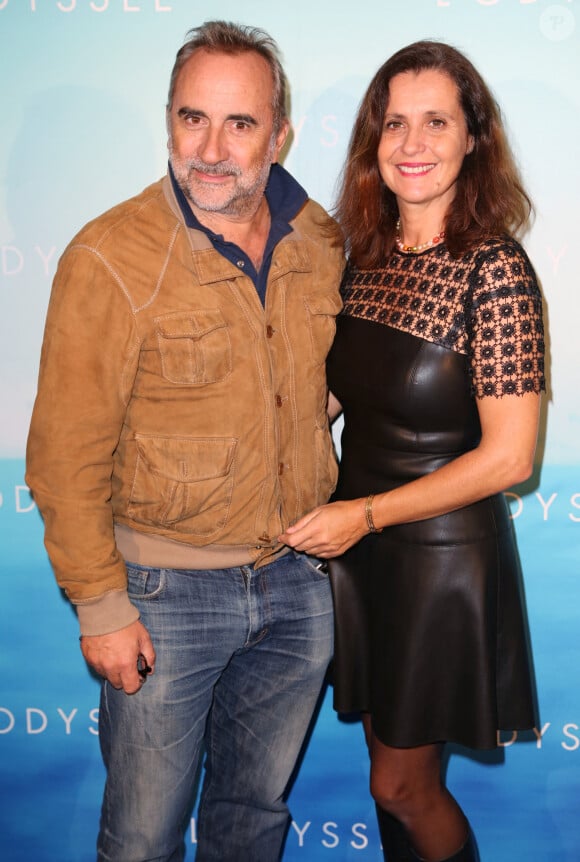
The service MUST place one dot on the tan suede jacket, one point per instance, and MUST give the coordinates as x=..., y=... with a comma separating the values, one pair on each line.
x=172, y=403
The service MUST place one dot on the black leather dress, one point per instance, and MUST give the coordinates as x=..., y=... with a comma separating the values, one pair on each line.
x=431, y=635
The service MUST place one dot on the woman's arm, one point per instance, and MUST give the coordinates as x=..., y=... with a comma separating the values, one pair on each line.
x=334, y=408
x=504, y=456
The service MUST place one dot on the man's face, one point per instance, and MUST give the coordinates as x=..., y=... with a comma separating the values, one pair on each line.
x=221, y=132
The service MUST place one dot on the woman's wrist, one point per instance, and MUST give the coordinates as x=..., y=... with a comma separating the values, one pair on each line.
x=372, y=528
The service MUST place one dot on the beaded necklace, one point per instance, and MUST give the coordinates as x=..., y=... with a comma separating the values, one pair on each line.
x=414, y=248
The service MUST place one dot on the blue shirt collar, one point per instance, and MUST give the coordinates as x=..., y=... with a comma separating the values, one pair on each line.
x=284, y=194
x=285, y=197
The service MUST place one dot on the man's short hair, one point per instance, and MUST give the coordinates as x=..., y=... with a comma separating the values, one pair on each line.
x=227, y=38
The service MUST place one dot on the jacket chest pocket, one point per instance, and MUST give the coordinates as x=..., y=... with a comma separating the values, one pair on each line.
x=194, y=347
x=321, y=311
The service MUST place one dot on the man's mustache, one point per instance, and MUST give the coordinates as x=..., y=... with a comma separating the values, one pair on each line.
x=222, y=169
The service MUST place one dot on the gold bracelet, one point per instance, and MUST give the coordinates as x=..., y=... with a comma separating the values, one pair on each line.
x=369, y=515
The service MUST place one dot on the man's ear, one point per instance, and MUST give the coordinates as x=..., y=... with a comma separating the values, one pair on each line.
x=280, y=139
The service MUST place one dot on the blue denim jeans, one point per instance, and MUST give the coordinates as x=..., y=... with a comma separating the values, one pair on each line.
x=241, y=658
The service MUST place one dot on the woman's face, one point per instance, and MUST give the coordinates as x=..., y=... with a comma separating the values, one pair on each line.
x=424, y=140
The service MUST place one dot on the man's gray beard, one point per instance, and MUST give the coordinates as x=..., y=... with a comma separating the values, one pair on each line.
x=244, y=199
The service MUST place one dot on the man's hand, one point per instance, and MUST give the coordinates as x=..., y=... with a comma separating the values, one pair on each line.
x=115, y=656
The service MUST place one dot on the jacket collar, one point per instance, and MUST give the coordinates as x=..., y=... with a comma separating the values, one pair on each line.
x=211, y=266
x=284, y=194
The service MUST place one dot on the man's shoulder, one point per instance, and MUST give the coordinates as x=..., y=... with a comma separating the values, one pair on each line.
x=148, y=209
x=315, y=211
x=316, y=224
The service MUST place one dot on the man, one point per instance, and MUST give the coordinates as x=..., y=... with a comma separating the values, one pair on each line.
x=180, y=426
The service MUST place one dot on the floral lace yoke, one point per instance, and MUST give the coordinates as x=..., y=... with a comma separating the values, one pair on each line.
x=485, y=304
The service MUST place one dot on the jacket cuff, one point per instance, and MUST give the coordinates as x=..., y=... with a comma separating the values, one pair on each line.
x=107, y=613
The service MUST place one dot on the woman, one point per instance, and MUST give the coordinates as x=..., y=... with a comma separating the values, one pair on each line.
x=438, y=365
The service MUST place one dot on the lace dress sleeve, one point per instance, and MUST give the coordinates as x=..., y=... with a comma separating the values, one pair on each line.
x=505, y=327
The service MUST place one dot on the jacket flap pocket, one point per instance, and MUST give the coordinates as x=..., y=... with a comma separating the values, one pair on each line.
x=187, y=459
x=323, y=303
x=191, y=325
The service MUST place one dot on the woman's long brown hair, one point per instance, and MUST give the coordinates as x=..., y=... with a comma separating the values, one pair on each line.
x=490, y=199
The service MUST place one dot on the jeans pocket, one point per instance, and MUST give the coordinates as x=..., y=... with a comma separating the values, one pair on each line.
x=144, y=582
x=320, y=567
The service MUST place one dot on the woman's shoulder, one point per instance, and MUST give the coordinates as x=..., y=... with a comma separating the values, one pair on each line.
x=501, y=258
x=497, y=248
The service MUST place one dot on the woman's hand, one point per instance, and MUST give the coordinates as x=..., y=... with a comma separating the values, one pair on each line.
x=330, y=530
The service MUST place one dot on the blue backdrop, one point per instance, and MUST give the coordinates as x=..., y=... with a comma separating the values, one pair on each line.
x=83, y=87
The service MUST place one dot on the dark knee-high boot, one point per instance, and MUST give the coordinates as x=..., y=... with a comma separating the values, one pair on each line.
x=468, y=853
x=393, y=838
